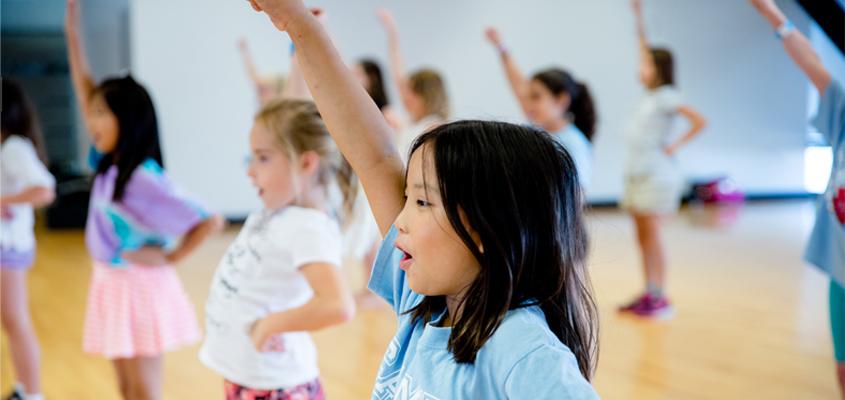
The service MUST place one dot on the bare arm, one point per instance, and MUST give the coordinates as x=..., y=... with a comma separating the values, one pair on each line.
x=37, y=196
x=356, y=124
x=249, y=64
x=397, y=63
x=195, y=237
x=697, y=123
x=642, y=40
x=516, y=79
x=80, y=72
x=264, y=91
x=332, y=304
x=796, y=45
x=156, y=256
x=295, y=86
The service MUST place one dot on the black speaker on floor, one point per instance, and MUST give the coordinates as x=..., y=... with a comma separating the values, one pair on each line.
x=70, y=209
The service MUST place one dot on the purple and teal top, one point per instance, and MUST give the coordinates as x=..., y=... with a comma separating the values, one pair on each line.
x=152, y=212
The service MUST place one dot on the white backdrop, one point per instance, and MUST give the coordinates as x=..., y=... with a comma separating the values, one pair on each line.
x=729, y=66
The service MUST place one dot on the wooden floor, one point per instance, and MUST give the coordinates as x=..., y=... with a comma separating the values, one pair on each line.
x=751, y=322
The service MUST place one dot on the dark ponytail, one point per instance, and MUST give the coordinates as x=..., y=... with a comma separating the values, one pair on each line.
x=583, y=111
x=581, y=108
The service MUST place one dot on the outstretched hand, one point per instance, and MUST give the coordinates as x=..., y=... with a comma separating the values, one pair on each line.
x=386, y=18
x=493, y=36
x=637, y=6
x=282, y=12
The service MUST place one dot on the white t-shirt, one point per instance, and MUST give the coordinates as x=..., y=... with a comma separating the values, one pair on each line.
x=651, y=130
x=21, y=169
x=259, y=275
x=581, y=151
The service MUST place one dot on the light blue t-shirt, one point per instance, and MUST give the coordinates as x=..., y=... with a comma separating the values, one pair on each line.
x=826, y=248
x=522, y=360
x=581, y=151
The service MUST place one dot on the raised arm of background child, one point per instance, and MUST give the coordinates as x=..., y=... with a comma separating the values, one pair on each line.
x=295, y=86
x=642, y=41
x=516, y=79
x=249, y=65
x=354, y=121
x=397, y=63
x=796, y=45
x=80, y=72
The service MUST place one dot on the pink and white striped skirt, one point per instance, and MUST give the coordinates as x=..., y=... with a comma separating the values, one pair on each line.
x=137, y=311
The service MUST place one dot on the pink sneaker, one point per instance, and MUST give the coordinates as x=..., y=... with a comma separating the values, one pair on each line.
x=650, y=307
x=634, y=305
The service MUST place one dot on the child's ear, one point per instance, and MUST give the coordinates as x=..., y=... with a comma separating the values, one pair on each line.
x=476, y=238
x=309, y=162
x=564, y=100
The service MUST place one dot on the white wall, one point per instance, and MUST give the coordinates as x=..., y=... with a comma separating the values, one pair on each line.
x=728, y=65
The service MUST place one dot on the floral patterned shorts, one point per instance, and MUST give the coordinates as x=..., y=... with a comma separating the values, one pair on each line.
x=307, y=391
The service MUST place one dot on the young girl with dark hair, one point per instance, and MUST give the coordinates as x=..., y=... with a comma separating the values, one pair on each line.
x=554, y=101
x=483, y=258
x=26, y=184
x=137, y=308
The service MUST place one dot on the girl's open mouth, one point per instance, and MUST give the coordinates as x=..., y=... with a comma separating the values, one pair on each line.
x=407, y=259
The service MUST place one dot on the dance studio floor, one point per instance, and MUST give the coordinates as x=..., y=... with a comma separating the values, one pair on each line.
x=751, y=317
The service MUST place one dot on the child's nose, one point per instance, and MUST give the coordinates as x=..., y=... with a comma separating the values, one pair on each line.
x=401, y=220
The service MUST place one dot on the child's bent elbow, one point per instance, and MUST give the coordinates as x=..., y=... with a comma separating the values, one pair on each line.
x=46, y=197
x=216, y=223
x=346, y=311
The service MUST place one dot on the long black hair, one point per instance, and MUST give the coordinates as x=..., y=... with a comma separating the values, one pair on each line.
x=581, y=106
x=531, y=229
x=137, y=129
x=19, y=117
x=375, y=78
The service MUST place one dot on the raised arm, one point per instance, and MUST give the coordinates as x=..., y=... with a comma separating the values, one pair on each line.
x=354, y=121
x=796, y=44
x=249, y=64
x=397, y=63
x=264, y=91
x=642, y=41
x=80, y=72
x=516, y=79
x=295, y=86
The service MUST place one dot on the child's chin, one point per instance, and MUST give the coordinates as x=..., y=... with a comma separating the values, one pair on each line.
x=417, y=288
